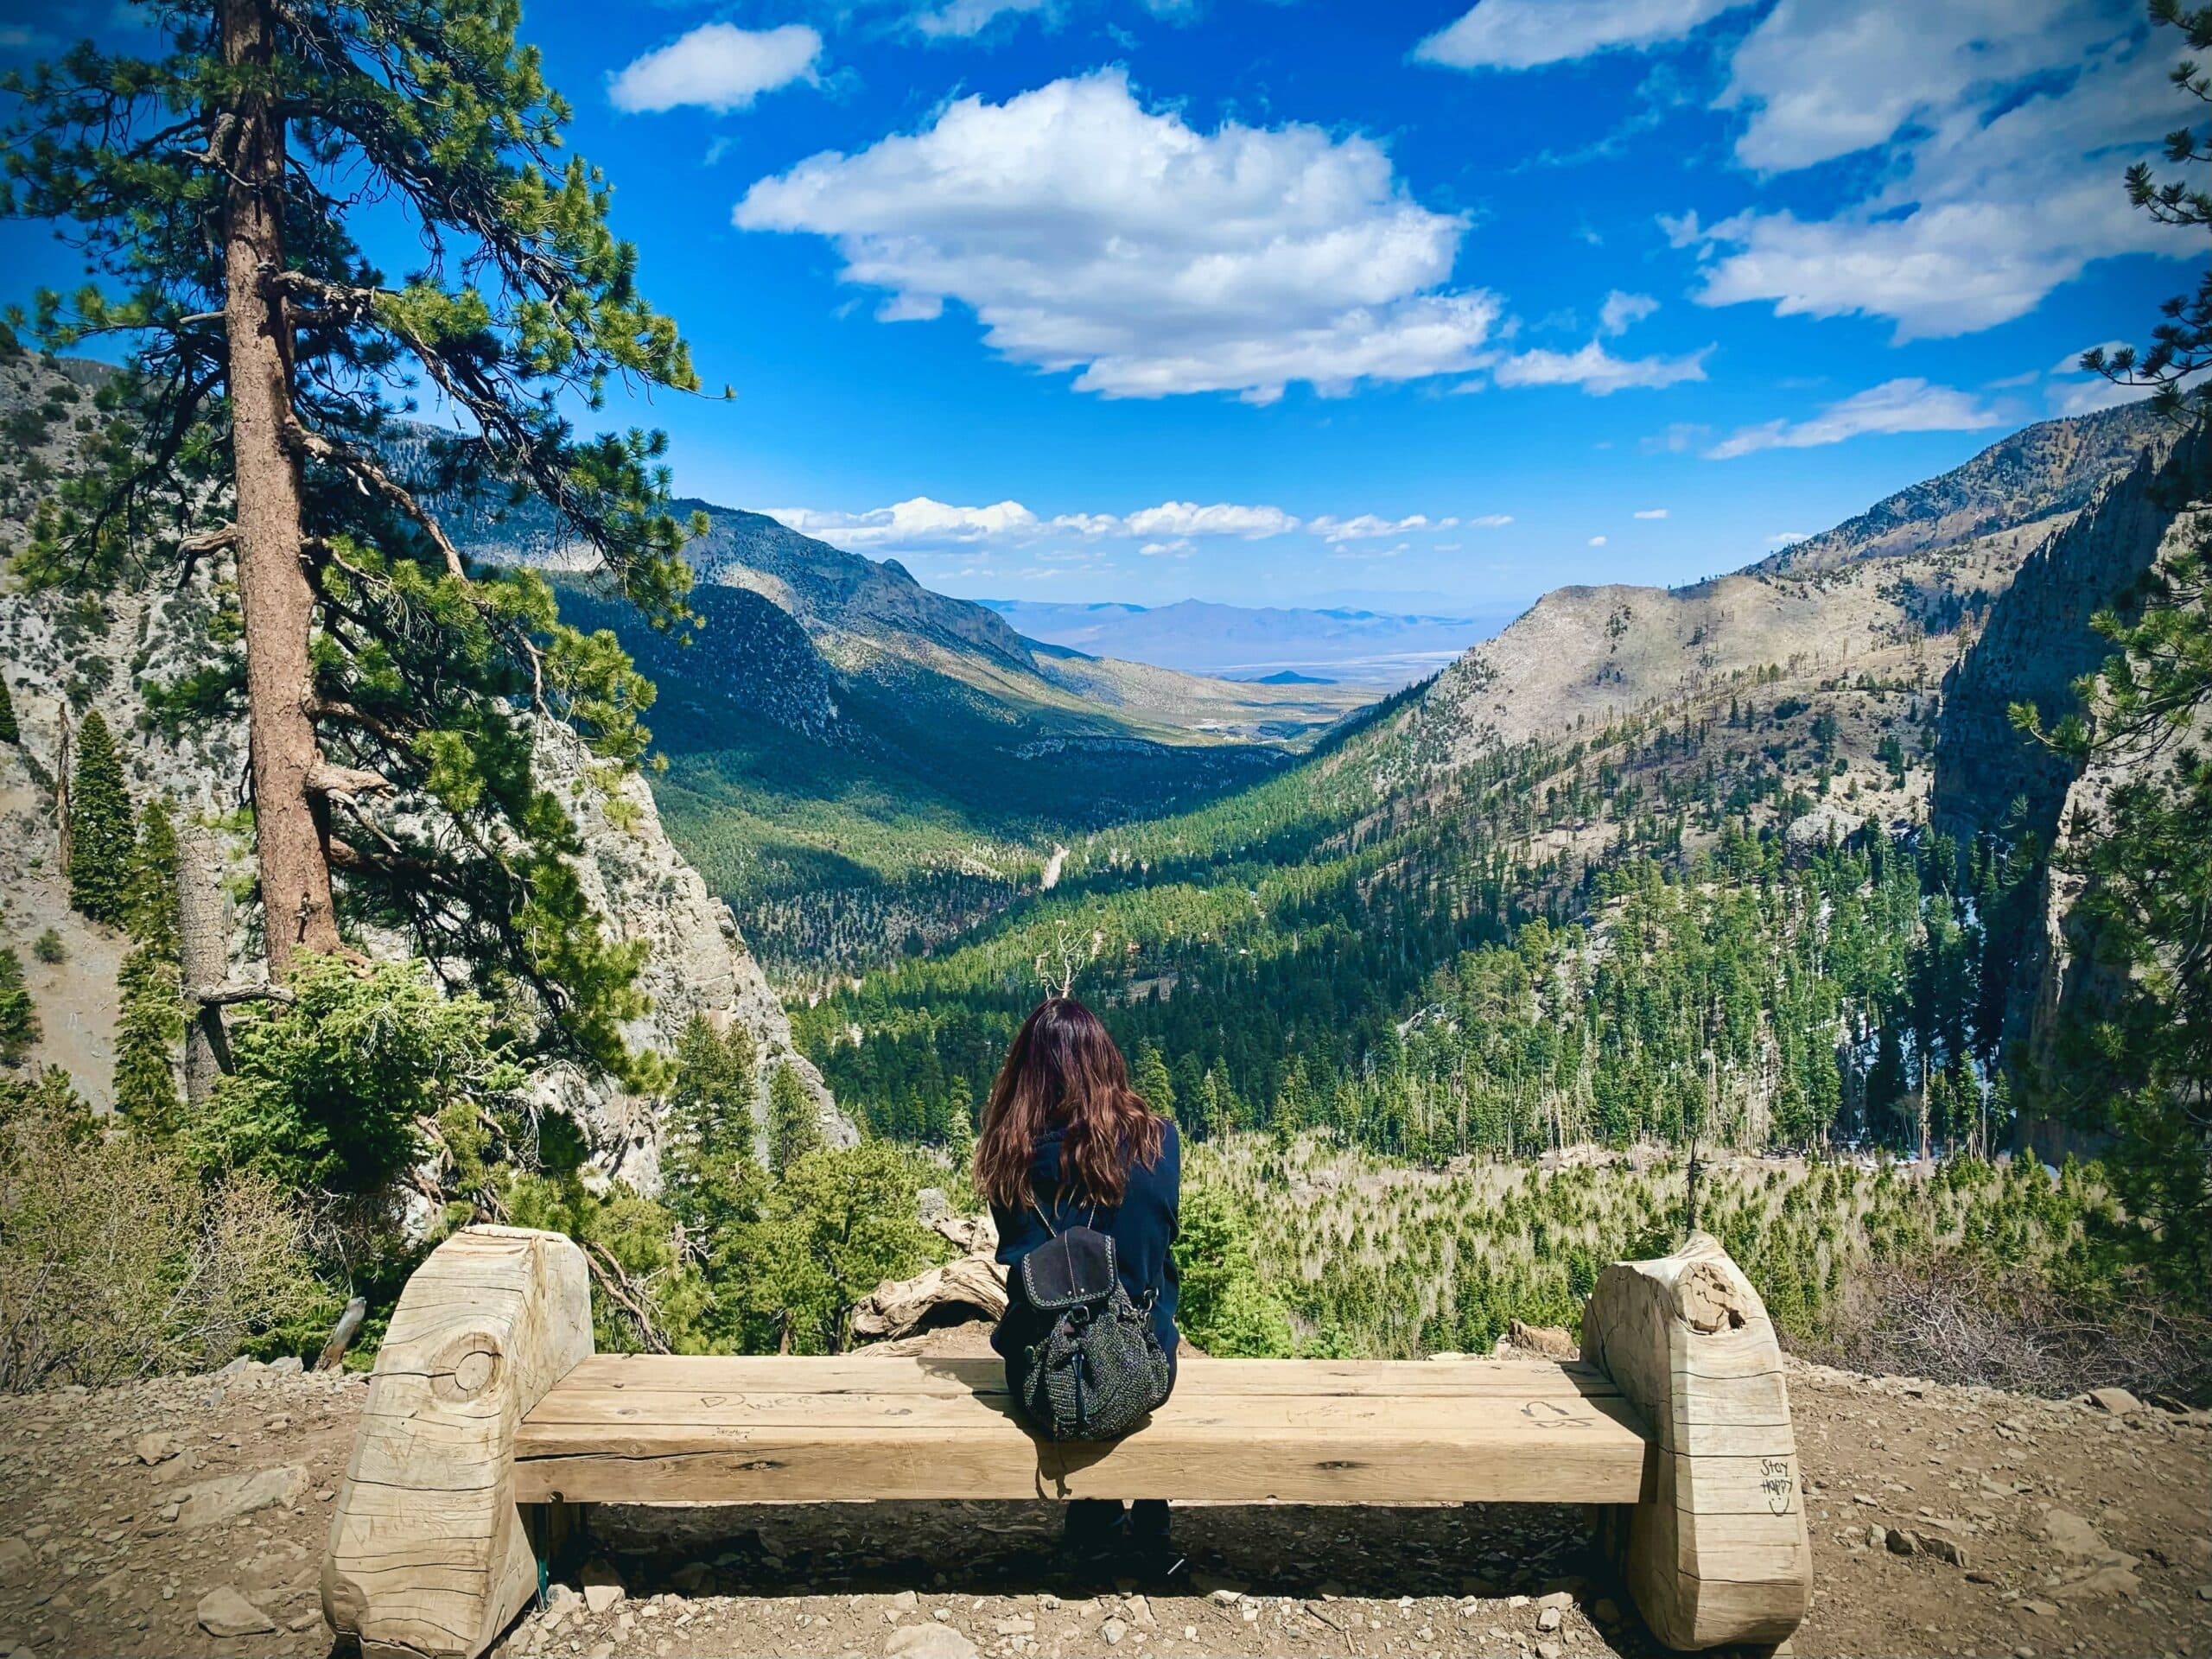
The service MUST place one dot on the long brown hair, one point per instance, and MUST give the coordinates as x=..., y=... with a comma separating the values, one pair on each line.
x=1063, y=1073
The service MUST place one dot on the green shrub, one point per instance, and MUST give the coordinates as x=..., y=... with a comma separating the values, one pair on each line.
x=325, y=1090
x=118, y=1259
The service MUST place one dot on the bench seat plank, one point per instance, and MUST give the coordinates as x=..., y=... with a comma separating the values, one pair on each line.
x=657, y=1429
x=965, y=1375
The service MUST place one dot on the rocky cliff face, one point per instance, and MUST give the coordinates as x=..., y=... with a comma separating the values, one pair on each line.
x=1990, y=779
x=65, y=655
x=62, y=656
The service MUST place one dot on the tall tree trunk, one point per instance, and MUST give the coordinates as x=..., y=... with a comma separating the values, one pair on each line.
x=64, y=766
x=203, y=939
x=273, y=594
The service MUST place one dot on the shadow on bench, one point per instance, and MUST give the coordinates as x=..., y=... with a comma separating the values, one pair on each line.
x=489, y=1419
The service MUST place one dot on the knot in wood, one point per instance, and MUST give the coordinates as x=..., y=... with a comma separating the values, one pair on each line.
x=1710, y=1300
x=466, y=1367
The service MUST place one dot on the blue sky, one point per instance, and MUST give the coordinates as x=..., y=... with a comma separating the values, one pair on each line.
x=1269, y=302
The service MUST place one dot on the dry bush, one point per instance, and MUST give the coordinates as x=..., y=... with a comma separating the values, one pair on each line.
x=1950, y=1319
x=118, y=1259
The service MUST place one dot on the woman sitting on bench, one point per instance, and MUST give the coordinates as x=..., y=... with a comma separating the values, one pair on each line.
x=1066, y=1143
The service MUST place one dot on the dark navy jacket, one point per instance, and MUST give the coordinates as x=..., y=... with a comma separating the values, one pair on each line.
x=1142, y=1227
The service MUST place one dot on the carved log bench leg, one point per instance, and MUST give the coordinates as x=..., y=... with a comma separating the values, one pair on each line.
x=429, y=1556
x=1715, y=1552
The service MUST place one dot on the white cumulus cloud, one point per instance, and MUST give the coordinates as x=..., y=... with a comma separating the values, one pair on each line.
x=1526, y=34
x=922, y=521
x=1597, y=540
x=1090, y=234
x=1651, y=513
x=719, y=67
x=1901, y=405
x=918, y=521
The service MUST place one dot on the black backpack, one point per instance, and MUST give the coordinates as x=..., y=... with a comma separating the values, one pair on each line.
x=1099, y=1371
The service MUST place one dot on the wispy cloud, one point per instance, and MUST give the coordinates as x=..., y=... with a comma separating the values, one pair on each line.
x=1651, y=513
x=1172, y=529
x=1901, y=405
x=1527, y=34
x=2005, y=126
x=1623, y=311
x=1596, y=370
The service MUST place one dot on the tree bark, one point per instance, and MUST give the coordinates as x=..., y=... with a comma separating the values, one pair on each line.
x=290, y=821
x=203, y=937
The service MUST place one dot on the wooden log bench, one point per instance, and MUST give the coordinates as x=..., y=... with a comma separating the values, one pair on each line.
x=489, y=1418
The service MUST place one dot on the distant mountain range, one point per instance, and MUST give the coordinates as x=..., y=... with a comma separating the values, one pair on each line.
x=1262, y=644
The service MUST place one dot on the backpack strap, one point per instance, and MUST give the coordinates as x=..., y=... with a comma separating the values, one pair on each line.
x=1090, y=1220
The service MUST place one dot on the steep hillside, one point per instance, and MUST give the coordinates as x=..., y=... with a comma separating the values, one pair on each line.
x=1649, y=862
x=1585, y=655
x=870, y=619
x=1921, y=566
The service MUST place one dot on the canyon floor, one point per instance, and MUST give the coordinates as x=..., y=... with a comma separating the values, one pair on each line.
x=185, y=1517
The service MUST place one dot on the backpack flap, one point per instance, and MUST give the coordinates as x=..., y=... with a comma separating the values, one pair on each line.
x=1072, y=1269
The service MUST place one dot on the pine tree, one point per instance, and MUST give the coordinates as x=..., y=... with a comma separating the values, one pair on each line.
x=1151, y=1083
x=100, y=834
x=960, y=1138
x=150, y=1030
x=18, y=1019
x=10, y=731
x=708, y=1175
x=209, y=189
x=794, y=1128
x=148, y=1035
x=152, y=914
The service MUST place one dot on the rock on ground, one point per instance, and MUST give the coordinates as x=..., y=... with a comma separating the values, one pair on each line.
x=224, y=1611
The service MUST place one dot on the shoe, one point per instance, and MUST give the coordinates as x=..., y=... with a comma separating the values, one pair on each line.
x=1151, y=1550
x=1095, y=1533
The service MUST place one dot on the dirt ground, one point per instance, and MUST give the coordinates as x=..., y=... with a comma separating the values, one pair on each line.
x=2035, y=1528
